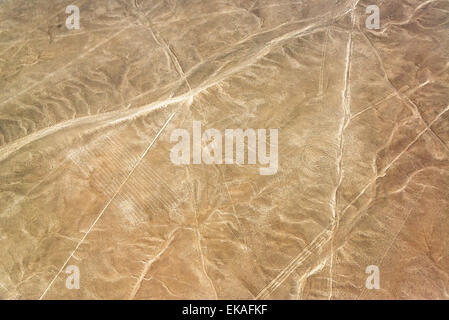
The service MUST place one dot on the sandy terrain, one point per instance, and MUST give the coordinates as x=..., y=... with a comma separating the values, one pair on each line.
x=86, y=180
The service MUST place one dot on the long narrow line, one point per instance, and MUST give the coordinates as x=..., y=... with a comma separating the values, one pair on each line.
x=107, y=205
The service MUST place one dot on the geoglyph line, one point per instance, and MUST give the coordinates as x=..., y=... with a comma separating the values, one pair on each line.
x=107, y=205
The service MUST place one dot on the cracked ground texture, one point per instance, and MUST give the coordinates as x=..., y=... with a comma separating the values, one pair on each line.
x=86, y=178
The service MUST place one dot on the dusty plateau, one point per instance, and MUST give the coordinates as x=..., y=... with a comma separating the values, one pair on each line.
x=362, y=177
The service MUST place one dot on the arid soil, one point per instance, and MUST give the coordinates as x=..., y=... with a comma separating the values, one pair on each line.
x=86, y=180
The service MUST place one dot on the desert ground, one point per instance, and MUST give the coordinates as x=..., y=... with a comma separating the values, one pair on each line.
x=88, y=188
